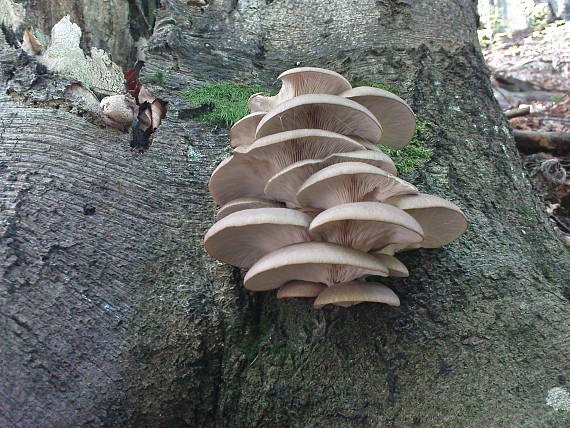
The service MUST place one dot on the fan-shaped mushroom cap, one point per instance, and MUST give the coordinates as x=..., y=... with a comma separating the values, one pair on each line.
x=318, y=111
x=356, y=292
x=350, y=182
x=365, y=226
x=243, y=131
x=240, y=204
x=441, y=220
x=288, y=147
x=396, y=267
x=235, y=178
x=301, y=81
x=375, y=158
x=396, y=117
x=314, y=262
x=368, y=145
x=284, y=185
x=242, y=238
x=300, y=289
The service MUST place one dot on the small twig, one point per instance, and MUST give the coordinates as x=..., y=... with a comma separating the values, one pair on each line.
x=516, y=112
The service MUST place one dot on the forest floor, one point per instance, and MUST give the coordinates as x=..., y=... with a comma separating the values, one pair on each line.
x=531, y=80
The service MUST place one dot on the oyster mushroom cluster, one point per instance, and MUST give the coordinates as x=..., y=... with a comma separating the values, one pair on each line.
x=310, y=205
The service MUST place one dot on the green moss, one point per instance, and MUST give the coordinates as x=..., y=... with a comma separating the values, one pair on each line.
x=159, y=78
x=228, y=101
x=549, y=273
x=366, y=82
x=415, y=154
x=528, y=213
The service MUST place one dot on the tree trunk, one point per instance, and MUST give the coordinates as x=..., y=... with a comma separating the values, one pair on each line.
x=113, y=315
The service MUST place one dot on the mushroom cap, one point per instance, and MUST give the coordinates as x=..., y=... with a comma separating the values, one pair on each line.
x=396, y=117
x=233, y=179
x=314, y=262
x=239, y=176
x=243, y=131
x=240, y=204
x=319, y=111
x=350, y=182
x=288, y=147
x=314, y=80
x=245, y=173
x=368, y=145
x=119, y=111
x=353, y=292
x=441, y=220
x=396, y=267
x=300, y=289
x=365, y=226
x=392, y=249
x=301, y=81
x=284, y=185
x=244, y=237
x=377, y=158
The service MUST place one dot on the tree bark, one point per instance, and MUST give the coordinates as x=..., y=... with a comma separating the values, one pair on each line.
x=112, y=314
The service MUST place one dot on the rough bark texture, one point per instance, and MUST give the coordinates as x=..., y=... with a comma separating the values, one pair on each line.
x=112, y=25
x=113, y=315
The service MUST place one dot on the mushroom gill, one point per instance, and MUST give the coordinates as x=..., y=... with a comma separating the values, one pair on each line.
x=311, y=205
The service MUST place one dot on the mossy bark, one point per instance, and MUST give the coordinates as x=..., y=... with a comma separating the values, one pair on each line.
x=113, y=315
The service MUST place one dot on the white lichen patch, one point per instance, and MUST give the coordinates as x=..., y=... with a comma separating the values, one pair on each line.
x=11, y=14
x=559, y=399
x=63, y=55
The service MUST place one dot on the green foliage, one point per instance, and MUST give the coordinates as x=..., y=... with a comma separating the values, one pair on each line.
x=538, y=20
x=415, y=154
x=228, y=101
x=366, y=82
x=495, y=28
x=159, y=78
x=557, y=98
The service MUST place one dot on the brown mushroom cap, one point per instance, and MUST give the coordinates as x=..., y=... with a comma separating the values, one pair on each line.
x=301, y=81
x=396, y=117
x=300, y=289
x=119, y=111
x=350, y=182
x=285, y=148
x=284, y=185
x=318, y=111
x=354, y=292
x=314, y=262
x=244, y=237
x=365, y=226
x=240, y=204
x=441, y=220
x=243, y=131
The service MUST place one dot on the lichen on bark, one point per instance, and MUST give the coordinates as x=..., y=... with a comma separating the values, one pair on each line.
x=64, y=55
